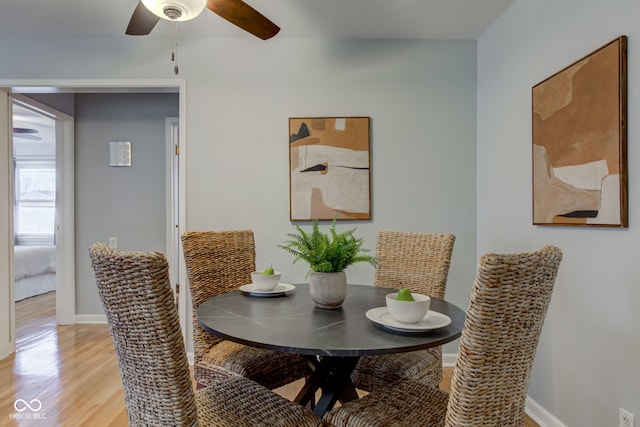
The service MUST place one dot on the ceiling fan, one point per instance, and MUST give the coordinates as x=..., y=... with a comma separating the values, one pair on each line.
x=148, y=12
x=26, y=133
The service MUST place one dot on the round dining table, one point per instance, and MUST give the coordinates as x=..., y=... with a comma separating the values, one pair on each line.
x=332, y=340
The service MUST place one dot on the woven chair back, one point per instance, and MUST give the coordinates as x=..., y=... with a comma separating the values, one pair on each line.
x=143, y=320
x=418, y=261
x=217, y=262
x=508, y=305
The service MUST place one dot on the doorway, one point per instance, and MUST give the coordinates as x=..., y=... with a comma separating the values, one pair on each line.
x=34, y=167
x=49, y=149
x=7, y=336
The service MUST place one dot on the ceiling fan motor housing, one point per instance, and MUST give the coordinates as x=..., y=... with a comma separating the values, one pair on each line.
x=172, y=13
x=149, y=12
x=175, y=10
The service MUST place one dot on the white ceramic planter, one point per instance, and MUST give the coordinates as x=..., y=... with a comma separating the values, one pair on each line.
x=328, y=290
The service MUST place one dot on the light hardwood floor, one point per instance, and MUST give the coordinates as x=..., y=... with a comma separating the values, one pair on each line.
x=73, y=372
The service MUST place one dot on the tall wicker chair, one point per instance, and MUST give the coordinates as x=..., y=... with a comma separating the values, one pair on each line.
x=508, y=305
x=219, y=262
x=420, y=262
x=143, y=320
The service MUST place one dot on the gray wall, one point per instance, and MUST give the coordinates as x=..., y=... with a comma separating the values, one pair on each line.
x=587, y=361
x=125, y=202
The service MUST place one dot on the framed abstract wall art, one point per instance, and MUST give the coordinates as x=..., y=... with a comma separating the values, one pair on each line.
x=329, y=168
x=579, y=120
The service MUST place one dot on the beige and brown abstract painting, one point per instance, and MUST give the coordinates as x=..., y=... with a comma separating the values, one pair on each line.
x=329, y=168
x=579, y=142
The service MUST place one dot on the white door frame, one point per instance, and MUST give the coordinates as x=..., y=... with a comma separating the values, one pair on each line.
x=175, y=208
x=7, y=307
x=7, y=317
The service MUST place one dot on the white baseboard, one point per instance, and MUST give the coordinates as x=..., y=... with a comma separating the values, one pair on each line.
x=449, y=359
x=540, y=415
x=91, y=318
x=532, y=408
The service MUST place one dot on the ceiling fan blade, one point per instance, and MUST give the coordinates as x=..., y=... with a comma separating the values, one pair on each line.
x=244, y=16
x=142, y=21
x=26, y=133
x=24, y=130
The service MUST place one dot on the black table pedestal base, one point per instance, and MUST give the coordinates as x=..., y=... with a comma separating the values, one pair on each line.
x=332, y=374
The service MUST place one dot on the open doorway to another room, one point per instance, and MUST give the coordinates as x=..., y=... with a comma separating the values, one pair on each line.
x=82, y=157
x=34, y=161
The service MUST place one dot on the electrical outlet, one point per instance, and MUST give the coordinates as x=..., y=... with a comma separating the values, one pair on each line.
x=113, y=242
x=626, y=419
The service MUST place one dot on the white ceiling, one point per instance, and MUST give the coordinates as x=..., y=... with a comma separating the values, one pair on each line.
x=416, y=19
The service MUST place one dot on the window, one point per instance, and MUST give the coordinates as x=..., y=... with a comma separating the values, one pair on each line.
x=35, y=203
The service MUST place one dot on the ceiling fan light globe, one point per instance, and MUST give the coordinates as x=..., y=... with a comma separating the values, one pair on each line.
x=189, y=9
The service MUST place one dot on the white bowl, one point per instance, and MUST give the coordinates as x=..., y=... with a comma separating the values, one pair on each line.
x=265, y=282
x=408, y=311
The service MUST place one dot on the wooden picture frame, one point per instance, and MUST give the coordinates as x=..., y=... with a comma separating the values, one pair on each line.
x=329, y=168
x=579, y=133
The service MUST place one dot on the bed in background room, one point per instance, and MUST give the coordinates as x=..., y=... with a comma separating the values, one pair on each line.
x=34, y=270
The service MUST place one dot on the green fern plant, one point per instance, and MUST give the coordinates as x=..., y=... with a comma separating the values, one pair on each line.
x=326, y=253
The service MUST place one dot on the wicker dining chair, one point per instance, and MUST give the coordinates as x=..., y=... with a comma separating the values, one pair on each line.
x=419, y=262
x=508, y=305
x=143, y=320
x=218, y=262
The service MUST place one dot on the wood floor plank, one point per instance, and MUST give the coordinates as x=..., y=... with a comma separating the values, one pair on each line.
x=72, y=370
